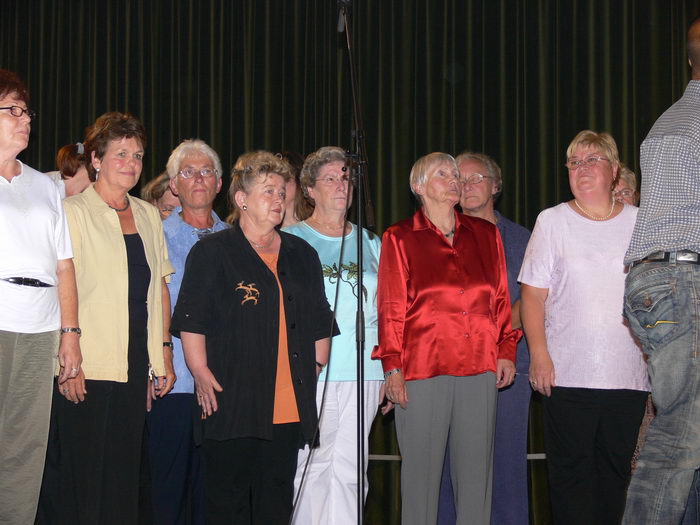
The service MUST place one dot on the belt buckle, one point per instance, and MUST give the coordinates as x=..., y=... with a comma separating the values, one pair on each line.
x=686, y=256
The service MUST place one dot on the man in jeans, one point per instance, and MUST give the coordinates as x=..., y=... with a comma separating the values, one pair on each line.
x=662, y=304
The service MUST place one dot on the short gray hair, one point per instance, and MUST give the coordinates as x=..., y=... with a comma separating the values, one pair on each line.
x=313, y=164
x=494, y=170
x=195, y=147
x=420, y=169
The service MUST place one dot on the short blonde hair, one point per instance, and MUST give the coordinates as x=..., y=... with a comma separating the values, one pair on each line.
x=420, y=169
x=313, y=164
x=628, y=176
x=600, y=141
x=249, y=168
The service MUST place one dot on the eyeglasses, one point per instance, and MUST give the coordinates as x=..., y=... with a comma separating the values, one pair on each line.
x=475, y=178
x=189, y=173
x=588, y=161
x=333, y=180
x=17, y=111
x=626, y=193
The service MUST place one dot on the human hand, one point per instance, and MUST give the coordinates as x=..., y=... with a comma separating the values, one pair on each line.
x=505, y=373
x=206, y=386
x=542, y=373
x=395, y=388
x=73, y=389
x=69, y=356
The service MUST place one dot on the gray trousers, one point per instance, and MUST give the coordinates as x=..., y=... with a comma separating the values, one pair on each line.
x=27, y=364
x=465, y=409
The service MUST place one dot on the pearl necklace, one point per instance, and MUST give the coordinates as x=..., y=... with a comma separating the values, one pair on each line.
x=595, y=218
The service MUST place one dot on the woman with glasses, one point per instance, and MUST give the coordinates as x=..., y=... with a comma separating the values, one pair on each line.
x=584, y=360
x=626, y=187
x=255, y=327
x=445, y=342
x=329, y=493
x=159, y=193
x=94, y=460
x=38, y=305
x=194, y=173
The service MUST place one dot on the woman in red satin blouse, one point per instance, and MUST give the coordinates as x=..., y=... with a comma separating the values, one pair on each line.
x=446, y=343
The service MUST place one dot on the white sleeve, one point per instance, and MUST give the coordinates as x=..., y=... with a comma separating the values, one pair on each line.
x=538, y=263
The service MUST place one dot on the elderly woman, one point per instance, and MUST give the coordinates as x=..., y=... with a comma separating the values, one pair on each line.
x=72, y=174
x=92, y=473
x=159, y=193
x=37, y=298
x=329, y=492
x=194, y=171
x=584, y=360
x=626, y=187
x=255, y=326
x=446, y=343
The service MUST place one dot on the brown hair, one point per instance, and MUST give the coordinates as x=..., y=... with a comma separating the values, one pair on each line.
x=249, y=168
x=107, y=128
x=155, y=188
x=69, y=160
x=10, y=84
x=303, y=208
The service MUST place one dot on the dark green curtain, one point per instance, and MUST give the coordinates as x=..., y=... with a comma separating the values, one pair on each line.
x=515, y=79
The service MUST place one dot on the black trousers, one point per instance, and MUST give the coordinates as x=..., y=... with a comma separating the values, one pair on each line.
x=176, y=477
x=250, y=481
x=93, y=462
x=590, y=436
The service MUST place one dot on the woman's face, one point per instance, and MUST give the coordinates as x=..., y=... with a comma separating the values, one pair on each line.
x=265, y=200
x=14, y=131
x=291, y=188
x=167, y=203
x=442, y=185
x=623, y=193
x=591, y=176
x=330, y=190
x=121, y=165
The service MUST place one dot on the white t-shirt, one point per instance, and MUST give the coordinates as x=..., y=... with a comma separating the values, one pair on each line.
x=580, y=262
x=33, y=238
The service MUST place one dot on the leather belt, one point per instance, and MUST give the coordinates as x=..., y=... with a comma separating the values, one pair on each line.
x=27, y=281
x=681, y=256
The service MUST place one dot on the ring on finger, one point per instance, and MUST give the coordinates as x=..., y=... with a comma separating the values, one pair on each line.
x=65, y=390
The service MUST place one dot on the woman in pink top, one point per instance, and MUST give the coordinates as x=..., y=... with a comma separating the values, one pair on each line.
x=584, y=360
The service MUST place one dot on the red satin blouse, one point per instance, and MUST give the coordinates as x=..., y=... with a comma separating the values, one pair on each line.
x=443, y=309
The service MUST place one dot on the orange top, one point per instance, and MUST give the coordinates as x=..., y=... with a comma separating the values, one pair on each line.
x=286, y=410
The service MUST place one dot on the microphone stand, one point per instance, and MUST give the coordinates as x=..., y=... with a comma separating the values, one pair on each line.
x=358, y=164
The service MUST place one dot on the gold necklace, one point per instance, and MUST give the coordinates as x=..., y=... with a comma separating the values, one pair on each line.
x=595, y=218
x=322, y=225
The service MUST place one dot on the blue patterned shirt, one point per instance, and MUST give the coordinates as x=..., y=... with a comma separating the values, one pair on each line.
x=669, y=212
x=180, y=237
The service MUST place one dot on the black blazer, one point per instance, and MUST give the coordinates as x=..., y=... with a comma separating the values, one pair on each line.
x=229, y=295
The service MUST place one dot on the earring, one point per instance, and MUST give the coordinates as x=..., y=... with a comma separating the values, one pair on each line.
x=97, y=173
x=244, y=207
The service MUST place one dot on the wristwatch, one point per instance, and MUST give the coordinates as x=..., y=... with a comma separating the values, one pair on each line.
x=72, y=329
x=391, y=372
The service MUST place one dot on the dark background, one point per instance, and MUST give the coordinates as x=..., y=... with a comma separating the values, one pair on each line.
x=515, y=79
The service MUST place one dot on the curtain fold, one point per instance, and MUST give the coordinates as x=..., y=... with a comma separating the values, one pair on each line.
x=514, y=79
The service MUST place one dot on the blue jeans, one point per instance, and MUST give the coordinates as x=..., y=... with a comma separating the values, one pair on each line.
x=662, y=305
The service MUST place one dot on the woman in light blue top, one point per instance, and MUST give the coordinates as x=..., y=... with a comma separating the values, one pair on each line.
x=329, y=492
